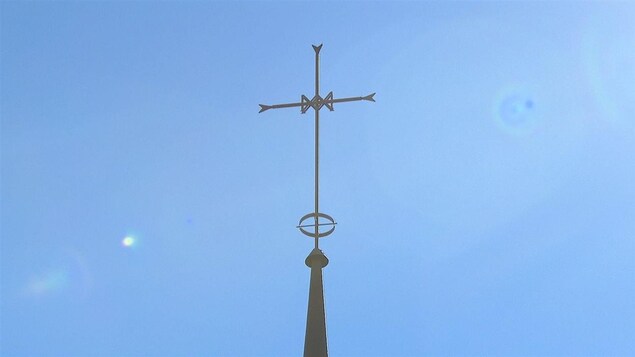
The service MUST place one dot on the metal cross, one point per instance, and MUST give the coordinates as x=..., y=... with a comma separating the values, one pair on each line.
x=317, y=102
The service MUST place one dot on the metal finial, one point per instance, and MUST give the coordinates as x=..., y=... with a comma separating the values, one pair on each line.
x=315, y=344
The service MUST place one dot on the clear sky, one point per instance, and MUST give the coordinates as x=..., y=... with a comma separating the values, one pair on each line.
x=485, y=202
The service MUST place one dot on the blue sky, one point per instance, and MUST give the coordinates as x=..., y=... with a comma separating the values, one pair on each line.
x=485, y=202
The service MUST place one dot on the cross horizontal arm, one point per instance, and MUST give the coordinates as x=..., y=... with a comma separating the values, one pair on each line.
x=264, y=107
x=316, y=103
x=350, y=99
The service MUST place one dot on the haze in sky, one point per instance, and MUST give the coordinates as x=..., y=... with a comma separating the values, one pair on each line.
x=485, y=202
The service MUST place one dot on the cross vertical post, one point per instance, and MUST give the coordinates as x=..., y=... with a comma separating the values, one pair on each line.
x=315, y=342
x=317, y=145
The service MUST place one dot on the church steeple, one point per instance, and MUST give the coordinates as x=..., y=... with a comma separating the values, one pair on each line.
x=315, y=344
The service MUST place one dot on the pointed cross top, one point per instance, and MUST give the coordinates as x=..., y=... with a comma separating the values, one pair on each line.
x=317, y=102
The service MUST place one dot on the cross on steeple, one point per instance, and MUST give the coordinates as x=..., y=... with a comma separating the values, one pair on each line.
x=315, y=343
x=317, y=102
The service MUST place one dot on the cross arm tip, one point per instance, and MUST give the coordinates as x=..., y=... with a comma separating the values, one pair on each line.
x=370, y=97
x=264, y=107
x=317, y=48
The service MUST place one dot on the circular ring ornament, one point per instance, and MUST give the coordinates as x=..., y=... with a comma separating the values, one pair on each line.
x=316, y=224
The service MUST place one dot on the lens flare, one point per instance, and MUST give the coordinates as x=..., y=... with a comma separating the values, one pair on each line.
x=128, y=242
x=48, y=282
x=516, y=112
x=609, y=59
x=65, y=273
